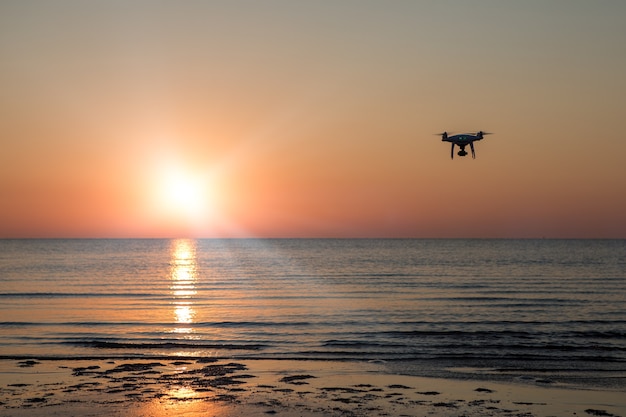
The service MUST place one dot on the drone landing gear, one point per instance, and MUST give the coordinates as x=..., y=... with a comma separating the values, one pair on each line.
x=463, y=152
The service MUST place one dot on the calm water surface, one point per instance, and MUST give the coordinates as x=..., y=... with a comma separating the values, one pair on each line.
x=546, y=310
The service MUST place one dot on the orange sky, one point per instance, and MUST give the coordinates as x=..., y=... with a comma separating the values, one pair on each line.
x=316, y=119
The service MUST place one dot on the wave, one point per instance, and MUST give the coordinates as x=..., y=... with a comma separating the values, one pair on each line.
x=507, y=334
x=211, y=324
x=102, y=344
x=75, y=295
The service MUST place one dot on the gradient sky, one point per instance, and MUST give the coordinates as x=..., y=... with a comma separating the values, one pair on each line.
x=312, y=119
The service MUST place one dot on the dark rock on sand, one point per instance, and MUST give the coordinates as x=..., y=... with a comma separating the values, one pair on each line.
x=398, y=386
x=224, y=380
x=246, y=376
x=296, y=379
x=225, y=398
x=429, y=393
x=447, y=405
x=80, y=371
x=347, y=400
x=134, y=367
x=36, y=400
x=27, y=364
x=220, y=370
x=343, y=389
x=598, y=412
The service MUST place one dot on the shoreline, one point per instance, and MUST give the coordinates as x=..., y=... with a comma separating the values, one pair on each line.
x=211, y=387
x=600, y=379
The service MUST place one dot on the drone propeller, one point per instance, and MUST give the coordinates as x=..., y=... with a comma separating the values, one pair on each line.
x=484, y=133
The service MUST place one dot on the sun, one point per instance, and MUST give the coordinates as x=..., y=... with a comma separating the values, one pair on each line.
x=183, y=195
x=183, y=192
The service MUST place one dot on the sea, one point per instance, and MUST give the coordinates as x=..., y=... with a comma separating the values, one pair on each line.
x=539, y=311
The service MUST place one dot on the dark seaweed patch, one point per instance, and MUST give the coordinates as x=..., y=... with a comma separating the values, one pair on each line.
x=28, y=363
x=134, y=367
x=296, y=379
x=429, y=393
x=598, y=412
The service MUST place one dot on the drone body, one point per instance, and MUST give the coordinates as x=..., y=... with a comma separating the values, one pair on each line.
x=462, y=140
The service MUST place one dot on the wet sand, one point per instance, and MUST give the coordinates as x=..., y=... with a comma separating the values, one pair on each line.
x=207, y=387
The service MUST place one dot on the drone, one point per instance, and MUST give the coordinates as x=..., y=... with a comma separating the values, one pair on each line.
x=463, y=140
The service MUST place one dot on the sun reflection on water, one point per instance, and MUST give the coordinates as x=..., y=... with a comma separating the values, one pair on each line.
x=183, y=287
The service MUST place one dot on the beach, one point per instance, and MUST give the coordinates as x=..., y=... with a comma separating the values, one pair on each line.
x=222, y=388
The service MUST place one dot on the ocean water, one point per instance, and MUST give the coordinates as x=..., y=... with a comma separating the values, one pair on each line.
x=549, y=311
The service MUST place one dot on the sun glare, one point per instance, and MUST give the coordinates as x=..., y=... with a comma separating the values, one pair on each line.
x=184, y=193
x=184, y=196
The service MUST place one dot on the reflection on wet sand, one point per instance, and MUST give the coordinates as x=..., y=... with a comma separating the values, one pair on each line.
x=222, y=388
x=184, y=277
